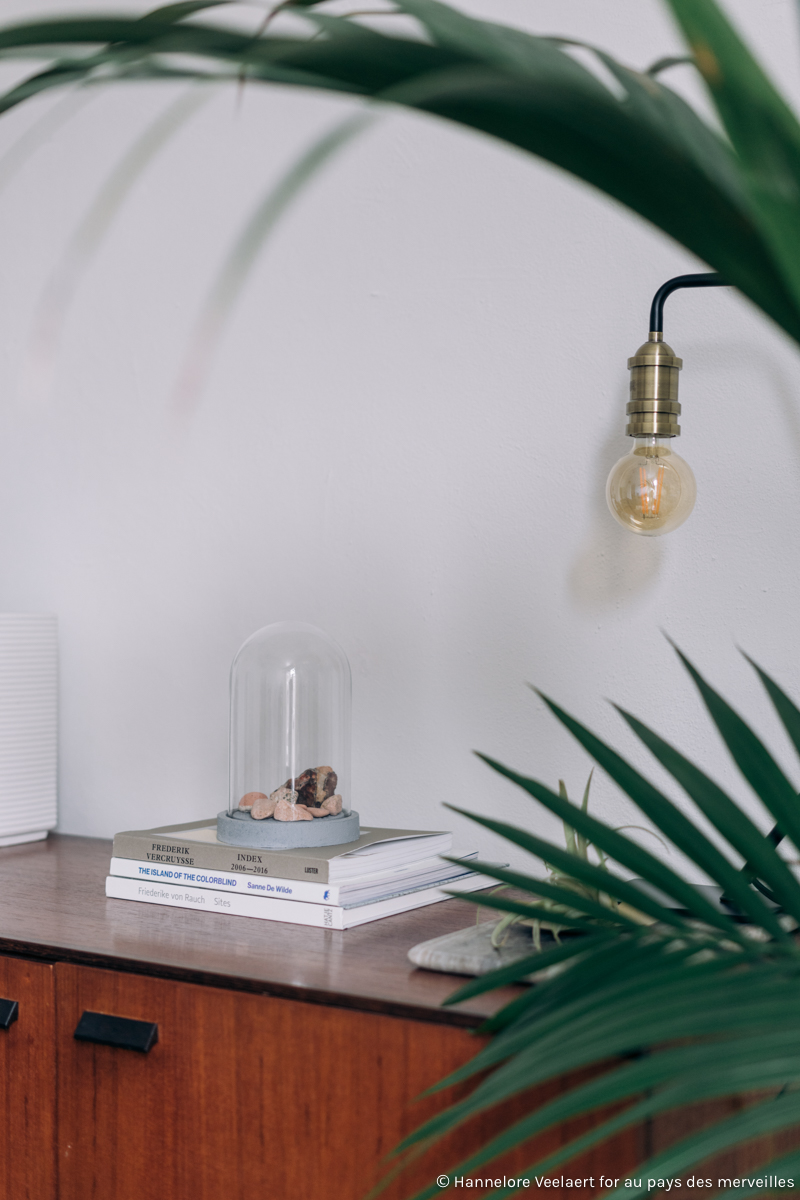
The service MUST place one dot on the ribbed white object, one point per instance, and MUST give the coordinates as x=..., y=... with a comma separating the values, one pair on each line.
x=28, y=726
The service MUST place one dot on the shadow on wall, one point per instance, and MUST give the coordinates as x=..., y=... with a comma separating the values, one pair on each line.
x=612, y=566
x=769, y=379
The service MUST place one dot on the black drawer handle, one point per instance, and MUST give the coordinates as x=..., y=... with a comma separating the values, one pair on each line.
x=117, y=1031
x=9, y=1011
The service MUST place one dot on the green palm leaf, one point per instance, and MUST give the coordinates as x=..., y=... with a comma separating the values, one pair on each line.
x=704, y=1072
x=752, y=758
x=726, y=816
x=624, y=851
x=671, y=821
x=522, y=89
x=538, y=887
x=763, y=129
x=786, y=709
x=780, y=1113
x=672, y=1012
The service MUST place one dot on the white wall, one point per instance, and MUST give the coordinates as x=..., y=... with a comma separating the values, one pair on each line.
x=404, y=439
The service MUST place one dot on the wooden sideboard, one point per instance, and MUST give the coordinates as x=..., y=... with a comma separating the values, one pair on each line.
x=287, y=1063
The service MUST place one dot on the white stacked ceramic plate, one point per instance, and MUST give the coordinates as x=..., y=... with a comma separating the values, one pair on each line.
x=28, y=726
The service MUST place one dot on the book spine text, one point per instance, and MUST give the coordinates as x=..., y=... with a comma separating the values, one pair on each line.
x=227, y=881
x=267, y=909
x=220, y=858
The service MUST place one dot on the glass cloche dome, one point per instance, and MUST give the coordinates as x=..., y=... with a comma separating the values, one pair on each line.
x=289, y=741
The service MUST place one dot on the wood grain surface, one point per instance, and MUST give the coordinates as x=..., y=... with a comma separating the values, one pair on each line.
x=249, y=1095
x=53, y=906
x=28, y=1084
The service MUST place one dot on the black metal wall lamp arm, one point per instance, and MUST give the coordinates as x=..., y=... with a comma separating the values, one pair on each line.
x=706, y=279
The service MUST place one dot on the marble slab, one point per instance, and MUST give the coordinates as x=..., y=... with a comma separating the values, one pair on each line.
x=470, y=951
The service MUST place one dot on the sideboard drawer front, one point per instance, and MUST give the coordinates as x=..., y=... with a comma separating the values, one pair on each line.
x=240, y=1093
x=27, y=1081
x=117, y=1111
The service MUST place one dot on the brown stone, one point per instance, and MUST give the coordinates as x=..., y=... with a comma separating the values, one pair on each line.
x=284, y=811
x=333, y=804
x=247, y=802
x=301, y=780
x=264, y=807
x=326, y=784
x=315, y=785
x=307, y=789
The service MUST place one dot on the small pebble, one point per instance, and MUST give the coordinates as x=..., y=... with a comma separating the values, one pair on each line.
x=326, y=784
x=263, y=807
x=332, y=805
x=247, y=802
x=284, y=811
x=283, y=793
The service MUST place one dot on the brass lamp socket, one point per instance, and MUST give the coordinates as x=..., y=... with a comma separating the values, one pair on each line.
x=653, y=409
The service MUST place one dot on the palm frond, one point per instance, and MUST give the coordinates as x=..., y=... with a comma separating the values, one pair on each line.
x=695, y=1006
x=752, y=758
x=570, y=899
x=522, y=89
x=624, y=850
x=672, y=822
x=786, y=709
x=726, y=816
x=762, y=128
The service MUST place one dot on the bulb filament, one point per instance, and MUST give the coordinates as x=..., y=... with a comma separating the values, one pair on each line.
x=650, y=494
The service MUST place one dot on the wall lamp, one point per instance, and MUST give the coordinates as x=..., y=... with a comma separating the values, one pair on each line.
x=652, y=490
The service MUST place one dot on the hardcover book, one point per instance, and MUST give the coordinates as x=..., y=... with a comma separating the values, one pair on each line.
x=397, y=881
x=271, y=908
x=194, y=845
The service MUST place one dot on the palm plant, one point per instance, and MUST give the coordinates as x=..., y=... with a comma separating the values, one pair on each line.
x=733, y=199
x=711, y=990
x=724, y=979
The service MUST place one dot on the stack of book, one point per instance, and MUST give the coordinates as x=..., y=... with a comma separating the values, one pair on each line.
x=386, y=871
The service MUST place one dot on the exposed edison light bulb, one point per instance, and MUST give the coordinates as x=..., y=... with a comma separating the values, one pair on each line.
x=652, y=490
